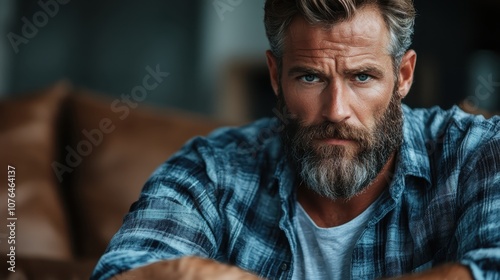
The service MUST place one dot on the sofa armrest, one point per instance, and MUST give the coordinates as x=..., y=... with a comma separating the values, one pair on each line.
x=44, y=269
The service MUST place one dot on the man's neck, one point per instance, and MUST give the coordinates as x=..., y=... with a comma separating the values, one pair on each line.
x=326, y=212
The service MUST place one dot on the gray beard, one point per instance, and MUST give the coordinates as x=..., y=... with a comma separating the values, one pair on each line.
x=334, y=172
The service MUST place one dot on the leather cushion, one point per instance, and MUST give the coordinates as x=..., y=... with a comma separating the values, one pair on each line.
x=45, y=269
x=120, y=146
x=28, y=141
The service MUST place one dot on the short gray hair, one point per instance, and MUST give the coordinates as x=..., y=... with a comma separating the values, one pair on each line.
x=399, y=15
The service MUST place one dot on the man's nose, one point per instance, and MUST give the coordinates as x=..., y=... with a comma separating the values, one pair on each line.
x=336, y=107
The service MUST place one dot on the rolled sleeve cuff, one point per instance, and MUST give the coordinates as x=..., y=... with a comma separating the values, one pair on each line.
x=483, y=263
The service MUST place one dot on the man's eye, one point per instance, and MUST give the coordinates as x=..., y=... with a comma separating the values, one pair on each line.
x=363, y=78
x=310, y=78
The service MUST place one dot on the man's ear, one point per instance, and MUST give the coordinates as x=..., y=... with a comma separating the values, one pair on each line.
x=272, y=65
x=406, y=70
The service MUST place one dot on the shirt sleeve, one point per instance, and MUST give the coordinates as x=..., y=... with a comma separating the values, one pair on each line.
x=478, y=228
x=175, y=215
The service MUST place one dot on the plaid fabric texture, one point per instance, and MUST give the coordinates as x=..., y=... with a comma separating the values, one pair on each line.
x=230, y=197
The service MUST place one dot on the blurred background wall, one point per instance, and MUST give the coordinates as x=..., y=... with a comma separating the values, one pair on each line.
x=214, y=50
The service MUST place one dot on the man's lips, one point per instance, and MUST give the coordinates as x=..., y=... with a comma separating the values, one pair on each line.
x=336, y=141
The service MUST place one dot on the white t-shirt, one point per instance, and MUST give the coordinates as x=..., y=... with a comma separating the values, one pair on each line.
x=325, y=253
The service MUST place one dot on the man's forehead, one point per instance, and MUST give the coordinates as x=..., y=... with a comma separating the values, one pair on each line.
x=366, y=30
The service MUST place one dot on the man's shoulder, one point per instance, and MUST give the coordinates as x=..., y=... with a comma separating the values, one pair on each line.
x=261, y=132
x=440, y=143
x=229, y=157
x=453, y=124
x=235, y=148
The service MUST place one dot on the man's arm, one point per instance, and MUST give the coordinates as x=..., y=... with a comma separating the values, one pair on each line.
x=176, y=216
x=478, y=230
x=187, y=268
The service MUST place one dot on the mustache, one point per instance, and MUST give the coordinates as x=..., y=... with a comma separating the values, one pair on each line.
x=329, y=130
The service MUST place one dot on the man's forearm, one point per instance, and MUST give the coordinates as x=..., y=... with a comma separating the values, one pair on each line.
x=187, y=268
x=194, y=268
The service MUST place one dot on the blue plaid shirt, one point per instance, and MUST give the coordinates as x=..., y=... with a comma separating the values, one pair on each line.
x=230, y=197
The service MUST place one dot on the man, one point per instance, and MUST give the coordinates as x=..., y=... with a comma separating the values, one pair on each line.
x=348, y=184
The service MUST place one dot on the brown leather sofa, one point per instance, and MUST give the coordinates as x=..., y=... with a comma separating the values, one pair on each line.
x=80, y=162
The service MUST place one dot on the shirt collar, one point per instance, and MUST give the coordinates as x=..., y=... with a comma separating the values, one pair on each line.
x=285, y=178
x=413, y=157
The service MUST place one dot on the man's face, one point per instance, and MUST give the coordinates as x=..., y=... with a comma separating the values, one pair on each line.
x=339, y=87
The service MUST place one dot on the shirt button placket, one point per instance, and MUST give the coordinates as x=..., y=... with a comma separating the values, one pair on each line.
x=284, y=266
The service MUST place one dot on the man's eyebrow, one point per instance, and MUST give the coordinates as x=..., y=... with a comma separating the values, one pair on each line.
x=302, y=70
x=373, y=70
x=370, y=69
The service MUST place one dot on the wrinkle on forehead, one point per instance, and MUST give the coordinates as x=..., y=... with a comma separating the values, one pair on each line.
x=367, y=29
